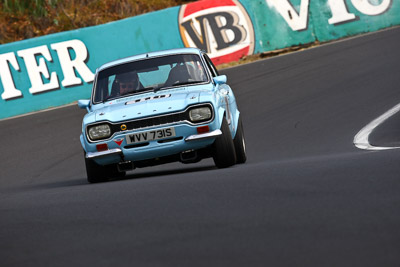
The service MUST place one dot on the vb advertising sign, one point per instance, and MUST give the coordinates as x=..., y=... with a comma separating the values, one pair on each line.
x=221, y=28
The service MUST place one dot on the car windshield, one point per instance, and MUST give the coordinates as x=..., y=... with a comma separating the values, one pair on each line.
x=149, y=74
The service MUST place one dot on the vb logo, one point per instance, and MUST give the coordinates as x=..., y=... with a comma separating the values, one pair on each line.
x=222, y=28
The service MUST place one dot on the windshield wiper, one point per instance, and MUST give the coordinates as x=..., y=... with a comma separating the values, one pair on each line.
x=156, y=89
x=185, y=83
x=105, y=99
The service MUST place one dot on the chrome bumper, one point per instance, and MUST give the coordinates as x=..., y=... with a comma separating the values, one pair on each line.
x=114, y=151
x=195, y=137
x=118, y=151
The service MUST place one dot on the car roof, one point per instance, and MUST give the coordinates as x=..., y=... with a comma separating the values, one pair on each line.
x=150, y=55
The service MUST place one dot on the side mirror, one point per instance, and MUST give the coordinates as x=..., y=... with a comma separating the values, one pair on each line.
x=220, y=79
x=84, y=104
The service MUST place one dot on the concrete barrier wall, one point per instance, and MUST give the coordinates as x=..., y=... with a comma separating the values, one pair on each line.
x=59, y=69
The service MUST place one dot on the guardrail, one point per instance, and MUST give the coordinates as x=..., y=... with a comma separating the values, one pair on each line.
x=59, y=69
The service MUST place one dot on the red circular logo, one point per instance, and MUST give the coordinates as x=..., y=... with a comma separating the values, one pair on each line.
x=221, y=28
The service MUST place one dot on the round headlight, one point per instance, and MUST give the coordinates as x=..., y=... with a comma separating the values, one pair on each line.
x=101, y=131
x=200, y=114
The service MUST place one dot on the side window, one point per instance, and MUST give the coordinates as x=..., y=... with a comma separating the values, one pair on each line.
x=211, y=66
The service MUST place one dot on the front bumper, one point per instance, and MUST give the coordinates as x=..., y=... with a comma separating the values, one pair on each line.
x=110, y=152
x=195, y=137
x=186, y=139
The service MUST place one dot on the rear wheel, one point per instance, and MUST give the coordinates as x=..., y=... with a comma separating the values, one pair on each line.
x=240, y=144
x=224, y=149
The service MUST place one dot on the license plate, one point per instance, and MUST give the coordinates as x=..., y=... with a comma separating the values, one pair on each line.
x=150, y=135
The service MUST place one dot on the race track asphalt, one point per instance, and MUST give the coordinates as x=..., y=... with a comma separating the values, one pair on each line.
x=306, y=197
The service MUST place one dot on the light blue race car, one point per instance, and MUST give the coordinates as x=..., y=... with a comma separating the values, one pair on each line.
x=158, y=108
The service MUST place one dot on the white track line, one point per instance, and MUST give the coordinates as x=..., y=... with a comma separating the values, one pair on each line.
x=361, y=139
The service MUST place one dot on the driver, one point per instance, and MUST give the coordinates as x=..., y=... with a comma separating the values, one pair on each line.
x=128, y=83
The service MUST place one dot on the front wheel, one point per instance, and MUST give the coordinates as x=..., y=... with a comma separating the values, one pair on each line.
x=95, y=173
x=240, y=143
x=224, y=149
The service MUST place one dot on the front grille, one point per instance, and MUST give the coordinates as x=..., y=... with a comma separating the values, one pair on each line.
x=182, y=116
x=150, y=122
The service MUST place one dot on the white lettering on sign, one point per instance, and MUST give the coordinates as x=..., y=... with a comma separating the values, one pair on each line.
x=296, y=21
x=340, y=14
x=367, y=8
x=36, y=60
x=35, y=71
x=68, y=65
x=6, y=78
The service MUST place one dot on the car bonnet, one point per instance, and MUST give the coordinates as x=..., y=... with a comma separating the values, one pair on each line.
x=147, y=105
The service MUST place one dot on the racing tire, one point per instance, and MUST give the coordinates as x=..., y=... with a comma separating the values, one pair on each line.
x=224, y=149
x=95, y=173
x=112, y=171
x=240, y=144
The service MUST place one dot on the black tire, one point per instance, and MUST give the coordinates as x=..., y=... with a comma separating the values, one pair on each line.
x=112, y=171
x=240, y=144
x=224, y=149
x=95, y=172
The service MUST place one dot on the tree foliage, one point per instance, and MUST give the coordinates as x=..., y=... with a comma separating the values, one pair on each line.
x=23, y=19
